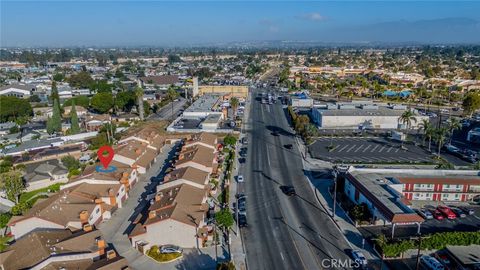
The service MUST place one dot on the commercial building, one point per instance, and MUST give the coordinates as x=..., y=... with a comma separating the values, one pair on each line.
x=301, y=100
x=389, y=192
x=363, y=116
x=233, y=90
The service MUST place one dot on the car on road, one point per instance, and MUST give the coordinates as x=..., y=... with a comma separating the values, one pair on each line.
x=241, y=160
x=165, y=249
x=288, y=190
x=240, y=178
x=244, y=140
x=359, y=258
x=468, y=211
x=242, y=207
x=447, y=212
x=431, y=263
x=276, y=133
x=437, y=214
x=458, y=212
x=242, y=221
x=424, y=213
x=288, y=146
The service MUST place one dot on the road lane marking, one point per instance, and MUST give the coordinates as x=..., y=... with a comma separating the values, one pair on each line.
x=397, y=150
x=281, y=255
x=359, y=148
x=351, y=148
x=374, y=148
x=343, y=148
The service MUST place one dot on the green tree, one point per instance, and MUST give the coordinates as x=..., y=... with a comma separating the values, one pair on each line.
x=102, y=102
x=171, y=96
x=81, y=80
x=58, y=77
x=83, y=101
x=424, y=125
x=13, y=185
x=56, y=117
x=54, y=93
x=234, y=105
x=50, y=128
x=70, y=162
x=34, y=98
x=453, y=124
x=12, y=108
x=471, y=103
x=226, y=266
x=407, y=117
x=224, y=218
x=229, y=140
x=74, y=126
x=139, y=95
x=125, y=100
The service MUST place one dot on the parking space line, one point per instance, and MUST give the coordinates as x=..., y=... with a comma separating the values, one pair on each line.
x=361, y=145
x=366, y=148
x=343, y=148
x=351, y=148
x=396, y=150
x=381, y=149
x=374, y=148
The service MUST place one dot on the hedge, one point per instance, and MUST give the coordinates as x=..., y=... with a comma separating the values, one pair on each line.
x=430, y=242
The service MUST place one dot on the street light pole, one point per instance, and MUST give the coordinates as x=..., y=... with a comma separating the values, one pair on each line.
x=417, y=267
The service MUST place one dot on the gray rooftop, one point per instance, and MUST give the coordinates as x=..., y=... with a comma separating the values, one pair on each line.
x=25, y=146
x=212, y=118
x=378, y=185
x=467, y=255
x=381, y=111
x=204, y=104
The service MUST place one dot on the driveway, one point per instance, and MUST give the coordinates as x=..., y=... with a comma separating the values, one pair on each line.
x=116, y=229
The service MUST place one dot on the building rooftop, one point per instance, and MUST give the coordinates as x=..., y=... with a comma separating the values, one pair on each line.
x=380, y=111
x=204, y=104
x=466, y=255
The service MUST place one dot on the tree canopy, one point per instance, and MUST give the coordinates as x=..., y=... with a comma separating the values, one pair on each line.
x=224, y=218
x=471, y=103
x=74, y=126
x=125, y=100
x=102, y=102
x=83, y=101
x=13, y=185
x=13, y=107
x=81, y=80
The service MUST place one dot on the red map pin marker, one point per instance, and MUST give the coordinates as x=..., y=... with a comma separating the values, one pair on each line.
x=105, y=160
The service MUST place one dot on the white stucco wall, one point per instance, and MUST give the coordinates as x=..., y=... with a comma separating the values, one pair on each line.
x=169, y=232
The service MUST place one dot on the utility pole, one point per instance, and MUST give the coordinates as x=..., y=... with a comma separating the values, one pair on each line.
x=419, y=248
x=335, y=177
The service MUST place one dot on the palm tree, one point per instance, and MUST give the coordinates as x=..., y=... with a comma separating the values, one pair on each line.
x=440, y=135
x=453, y=124
x=407, y=117
x=424, y=125
x=430, y=133
x=234, y=105
x=139, y=95
x=171, y=96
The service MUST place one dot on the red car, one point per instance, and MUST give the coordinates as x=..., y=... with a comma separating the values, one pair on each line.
x=447, y=212
x=437, y=214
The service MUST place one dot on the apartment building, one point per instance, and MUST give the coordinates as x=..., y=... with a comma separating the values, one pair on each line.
x=441, y=188
x=199, y=157
x=204, y=139
x=61, y=249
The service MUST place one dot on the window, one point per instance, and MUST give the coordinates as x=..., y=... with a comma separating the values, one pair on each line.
x=446, y=186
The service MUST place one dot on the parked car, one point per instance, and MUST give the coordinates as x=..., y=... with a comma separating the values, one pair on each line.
x=447, y=212
x=288, y=190
x=458, y=212
x=242, y=207
x=424, y=213
x=437, y=214
x=358, y=257
x=468, y=211
x=170, y=249
x=242, y=221
x=431, y=263
x=288, y=146
x=240, y=178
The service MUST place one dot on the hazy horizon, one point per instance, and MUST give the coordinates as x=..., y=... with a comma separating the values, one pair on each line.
x=157, y=24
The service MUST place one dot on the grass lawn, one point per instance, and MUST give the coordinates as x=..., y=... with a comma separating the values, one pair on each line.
x=26, y=196
x=154, y=253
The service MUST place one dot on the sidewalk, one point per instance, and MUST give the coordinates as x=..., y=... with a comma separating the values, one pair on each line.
x=342, y=221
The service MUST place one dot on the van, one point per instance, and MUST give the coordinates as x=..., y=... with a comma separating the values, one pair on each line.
x=431, y=263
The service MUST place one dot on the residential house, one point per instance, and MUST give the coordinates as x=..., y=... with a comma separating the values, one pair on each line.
x=94, y=122
x=81, y=111
x=198, y=156
x=204, y=139
x=17, y=90
x=43, y=174
x=136, y=153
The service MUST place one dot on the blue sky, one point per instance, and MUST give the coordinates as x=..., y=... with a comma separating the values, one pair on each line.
x=160, y=23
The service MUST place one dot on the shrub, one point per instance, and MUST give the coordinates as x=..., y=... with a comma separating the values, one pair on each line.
x=4, y=218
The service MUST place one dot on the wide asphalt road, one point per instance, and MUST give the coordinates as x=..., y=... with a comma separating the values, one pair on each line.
x=284, y=232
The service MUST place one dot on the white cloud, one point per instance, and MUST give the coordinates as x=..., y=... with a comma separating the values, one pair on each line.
x=314, y=16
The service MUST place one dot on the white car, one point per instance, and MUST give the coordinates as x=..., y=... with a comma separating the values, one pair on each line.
x=240, y=179
x=170, y=249
x=359, y=258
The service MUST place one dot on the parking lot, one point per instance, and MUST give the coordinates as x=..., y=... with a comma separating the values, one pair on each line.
x=367, y=150
x=467, y=224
